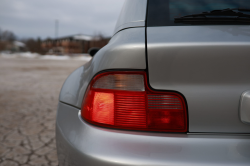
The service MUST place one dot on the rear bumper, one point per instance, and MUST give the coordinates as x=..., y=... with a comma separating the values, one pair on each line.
x=79, y=143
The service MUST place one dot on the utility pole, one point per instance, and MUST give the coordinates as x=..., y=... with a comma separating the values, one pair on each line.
x=56, y=28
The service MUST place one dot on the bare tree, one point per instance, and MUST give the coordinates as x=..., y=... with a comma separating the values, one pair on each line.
x=7, y=36
x=34, y=45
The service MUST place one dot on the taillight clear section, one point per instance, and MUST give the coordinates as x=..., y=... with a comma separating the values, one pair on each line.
x=123, y=100
x=128, y=82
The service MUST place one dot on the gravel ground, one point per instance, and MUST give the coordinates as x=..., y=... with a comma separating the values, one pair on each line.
x=29, y=90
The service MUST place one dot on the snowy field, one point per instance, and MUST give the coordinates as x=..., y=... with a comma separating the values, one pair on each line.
x=83, y=57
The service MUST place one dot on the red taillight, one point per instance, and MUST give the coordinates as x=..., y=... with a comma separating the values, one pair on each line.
x=103, y=108
x=123, y=100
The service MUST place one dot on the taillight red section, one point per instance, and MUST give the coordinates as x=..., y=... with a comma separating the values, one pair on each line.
x=103, y=108
x=130, y=110
x=123, y=100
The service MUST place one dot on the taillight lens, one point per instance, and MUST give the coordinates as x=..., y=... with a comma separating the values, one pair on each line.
x=123, y=100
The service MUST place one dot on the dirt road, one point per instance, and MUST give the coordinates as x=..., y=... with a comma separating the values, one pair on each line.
x=29, y=90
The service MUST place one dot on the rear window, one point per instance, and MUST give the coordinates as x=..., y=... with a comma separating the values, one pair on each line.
x=164, y=12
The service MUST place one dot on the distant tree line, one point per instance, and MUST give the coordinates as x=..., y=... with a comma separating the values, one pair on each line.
x=34, y=45
x=8, y=42
x=7, y=38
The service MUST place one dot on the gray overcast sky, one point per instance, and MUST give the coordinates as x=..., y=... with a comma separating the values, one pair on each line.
x=36, y=18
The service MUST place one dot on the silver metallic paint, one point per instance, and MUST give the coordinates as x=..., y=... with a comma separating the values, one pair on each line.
x=209, y=65
x=79, y=143
x=245, y=107
x=133, y=14
x=126, y=50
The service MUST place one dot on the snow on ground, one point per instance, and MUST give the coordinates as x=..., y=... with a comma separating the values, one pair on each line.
x=83, y=57
x=7, y=55
x=28, y=55
x=54, y=57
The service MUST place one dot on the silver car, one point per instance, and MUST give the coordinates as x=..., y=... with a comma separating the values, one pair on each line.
x=171, y=88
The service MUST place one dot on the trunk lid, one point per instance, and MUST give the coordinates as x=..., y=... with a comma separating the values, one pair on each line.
x=209, y=65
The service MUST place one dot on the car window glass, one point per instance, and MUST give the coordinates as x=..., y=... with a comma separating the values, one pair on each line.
x=163, y=12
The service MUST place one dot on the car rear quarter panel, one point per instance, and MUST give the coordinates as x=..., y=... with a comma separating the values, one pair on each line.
x=126, y=50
